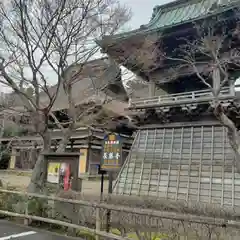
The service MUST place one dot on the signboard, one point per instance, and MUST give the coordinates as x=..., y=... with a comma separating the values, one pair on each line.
x=53, y=172
x=112, y=153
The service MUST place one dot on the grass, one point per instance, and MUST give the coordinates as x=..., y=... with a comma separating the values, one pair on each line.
x=158, y=236
x=90, y=236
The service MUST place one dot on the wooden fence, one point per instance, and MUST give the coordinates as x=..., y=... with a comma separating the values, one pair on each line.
x=143, y=223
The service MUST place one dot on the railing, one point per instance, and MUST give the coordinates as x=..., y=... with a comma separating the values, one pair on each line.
x=181, y=98
x=130, y=218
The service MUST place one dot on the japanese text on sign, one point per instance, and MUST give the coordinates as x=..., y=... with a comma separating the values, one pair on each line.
x=111, y=159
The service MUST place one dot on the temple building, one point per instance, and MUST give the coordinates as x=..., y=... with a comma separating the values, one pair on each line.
x=180, y=150
x=86, y=140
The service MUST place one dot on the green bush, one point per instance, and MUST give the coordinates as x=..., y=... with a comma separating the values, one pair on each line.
x=17, y=203
x=9, y=202
x=158, y=236
x=38, y=207
x=86, y=235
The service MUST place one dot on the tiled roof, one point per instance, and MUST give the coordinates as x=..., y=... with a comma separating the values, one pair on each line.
x=179, y=12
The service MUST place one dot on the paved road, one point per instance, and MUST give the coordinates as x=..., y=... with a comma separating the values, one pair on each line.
x=12, y=231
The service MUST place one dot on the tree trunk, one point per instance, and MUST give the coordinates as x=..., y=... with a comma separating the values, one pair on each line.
x=64, y=141
x=39, y=173
x=236, y=149
x=233, y=134
x=2, y=129
x=72, y=115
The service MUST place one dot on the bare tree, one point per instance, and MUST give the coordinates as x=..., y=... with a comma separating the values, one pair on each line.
x=211, y=57
x=39, y=40
x=2, y=127
x=141, y=52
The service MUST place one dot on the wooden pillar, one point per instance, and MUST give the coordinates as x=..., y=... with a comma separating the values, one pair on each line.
x=232, y=87
x=89, y=158
x=72, y=143
x=83, y=161
x=152, y=88
x=75, y=182
x=12, y=163
x=89, y=151
x=98, y=222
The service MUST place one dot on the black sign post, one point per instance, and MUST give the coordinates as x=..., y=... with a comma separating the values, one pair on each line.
x=111, y=162
x=102, y=172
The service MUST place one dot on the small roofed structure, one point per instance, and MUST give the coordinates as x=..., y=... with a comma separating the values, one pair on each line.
x=85, y=140
x=62, y=170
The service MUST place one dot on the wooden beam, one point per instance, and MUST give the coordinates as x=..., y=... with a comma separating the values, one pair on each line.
x=182, y=124
x=57, y=135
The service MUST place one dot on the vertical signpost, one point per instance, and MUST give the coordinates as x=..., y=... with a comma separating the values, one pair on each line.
x=112, y=153
x=111, y=162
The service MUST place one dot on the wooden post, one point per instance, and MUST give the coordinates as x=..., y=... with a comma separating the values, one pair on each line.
x=98, y=222
x=45, y=169
x=232, y=87
x=72, y=142
x=102, y=184
x=26, y=220
x=13, y=158
x=75, y=181
x=110, y=183
x=152, y=87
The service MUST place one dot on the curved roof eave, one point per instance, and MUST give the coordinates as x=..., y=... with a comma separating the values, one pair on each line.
x=145, y=28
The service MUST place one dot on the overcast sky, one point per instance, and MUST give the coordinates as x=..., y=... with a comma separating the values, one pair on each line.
x=142, y=10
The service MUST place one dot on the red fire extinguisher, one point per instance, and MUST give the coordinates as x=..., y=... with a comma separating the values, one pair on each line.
x=67, y=178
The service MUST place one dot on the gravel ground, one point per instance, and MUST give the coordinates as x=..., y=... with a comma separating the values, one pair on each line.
x=21, y=182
